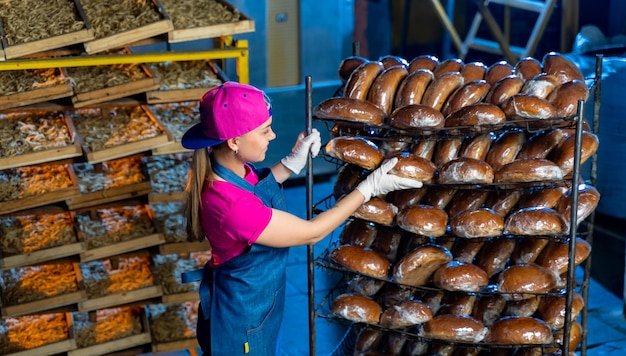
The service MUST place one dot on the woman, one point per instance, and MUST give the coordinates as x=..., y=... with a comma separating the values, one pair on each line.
x=241, y=211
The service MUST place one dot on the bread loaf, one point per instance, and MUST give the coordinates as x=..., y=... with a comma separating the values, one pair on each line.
x=416, y=116
x=389, y=61
x=523, y=281
x=477, y=146
x=529, y=110
x=424, y=148
x=505, y=148
x=361, y=79
x=368, y=340
x=475, y=117
x=516, y=330
x=504, y=89
x=458, y=303
x=377, y=210
x=473, y=71
x=466, y=200
x=555, y=256
x=459, y=328
x=562, y=67
x=541, y=144
x=446, y=150
x=545, y=198
x=588, y=199
x=348, y=65
x=450, y=65
x=414, y=167
x=439, y=196
x=528, y=170
x=497, y=71
x=383, y=90
x=466, y=170
x=575, y=337
x=358, y=232
x=355, y=150
x=563, y=155
x=542, y=85
x=527, y=250
x=387, y=242
x=552, y=309
x=565, y=97
x=536, y=221
x=468, y=94
x=348, y=109
x=393, y=294
x=503, y=201
x=460, y=276
x=527, y=68
x=361, y=260
x=417, y=267
x=473, y=223
x=406, y=197
x=357, y=308
x=412, y=88
x=465, y=250
x=494, y=255
x=404, y=314
x=425, y=61
x=423, y=220
x=348, y=176
x=524, y=307
x=489, y=307
x=364, y=285
x=441, y=88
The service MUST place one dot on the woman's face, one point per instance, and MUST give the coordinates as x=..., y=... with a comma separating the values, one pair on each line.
x=254, y=144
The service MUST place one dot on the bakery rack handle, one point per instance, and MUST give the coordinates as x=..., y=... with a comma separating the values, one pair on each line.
x=309, y=211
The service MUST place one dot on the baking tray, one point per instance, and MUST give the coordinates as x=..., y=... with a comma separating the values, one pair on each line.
x=118, y=179
x=68, y=38
x=182, y=34
x=42, y=88
x=49, y=195
x=104, y=42
x=183, y=80
x=128, y=145
x=42, y=124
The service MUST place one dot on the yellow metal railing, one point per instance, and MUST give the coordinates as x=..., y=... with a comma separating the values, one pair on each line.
x=238, y=52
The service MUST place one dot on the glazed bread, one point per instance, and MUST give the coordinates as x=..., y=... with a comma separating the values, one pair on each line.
x=355, y=150
x=517, y=330
x=357, y=308
x=423, y=220
x=417, y=267
x=352, y=110
x=466, y=170
x=362, y=260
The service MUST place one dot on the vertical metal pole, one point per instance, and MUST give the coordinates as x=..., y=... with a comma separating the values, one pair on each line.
x=593, y=177
x=309, y=215
x=571, y=271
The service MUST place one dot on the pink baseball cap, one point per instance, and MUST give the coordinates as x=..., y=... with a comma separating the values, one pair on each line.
x=227, y=111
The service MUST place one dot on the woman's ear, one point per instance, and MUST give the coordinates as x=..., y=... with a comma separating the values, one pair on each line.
x=233, y=144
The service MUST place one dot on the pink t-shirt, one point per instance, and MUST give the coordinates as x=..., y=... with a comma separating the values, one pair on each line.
x=232, y=218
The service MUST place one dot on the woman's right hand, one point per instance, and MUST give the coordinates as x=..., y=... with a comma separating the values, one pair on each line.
x=379, y=182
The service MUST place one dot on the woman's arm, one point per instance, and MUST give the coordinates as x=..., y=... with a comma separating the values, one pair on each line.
x=285, y=229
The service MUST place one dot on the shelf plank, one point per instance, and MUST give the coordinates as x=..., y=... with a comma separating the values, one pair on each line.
x=175, y=345
x=127, y=37
x=50, y=349
x=113, y=345
x=109, y=195
x=122, y=247
x=40, y=256
x=44, y=304
x=183, y=247
x=118, y=299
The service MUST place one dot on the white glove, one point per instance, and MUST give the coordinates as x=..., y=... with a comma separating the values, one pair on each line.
x=379, y=182
x=297, y=159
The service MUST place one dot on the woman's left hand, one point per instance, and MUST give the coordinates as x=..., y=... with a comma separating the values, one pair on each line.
x=305, y=144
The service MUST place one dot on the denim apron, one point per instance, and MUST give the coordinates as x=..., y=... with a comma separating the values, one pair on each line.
x=242, y=301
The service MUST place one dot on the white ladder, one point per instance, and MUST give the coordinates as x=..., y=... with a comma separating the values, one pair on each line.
x=500, y=44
